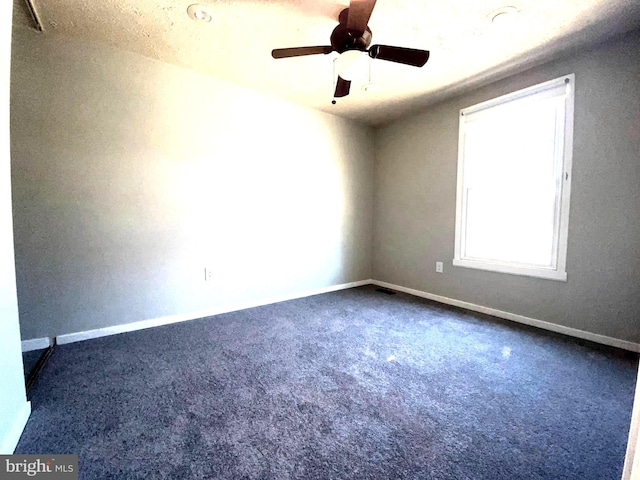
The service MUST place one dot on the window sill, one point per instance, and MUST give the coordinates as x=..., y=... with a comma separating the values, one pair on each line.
x=513, y=269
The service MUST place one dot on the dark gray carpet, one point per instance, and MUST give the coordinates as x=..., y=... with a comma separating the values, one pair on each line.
x=30, y=360
x=348, y=385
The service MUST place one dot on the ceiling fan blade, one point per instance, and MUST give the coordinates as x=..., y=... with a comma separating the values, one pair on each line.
x=342, y=87
x=300, y=51
x=408, y=56
x=359, y=14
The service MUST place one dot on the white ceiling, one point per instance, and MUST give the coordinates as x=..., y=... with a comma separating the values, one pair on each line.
x=466, y=48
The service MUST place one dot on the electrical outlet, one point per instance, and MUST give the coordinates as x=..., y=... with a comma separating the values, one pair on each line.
x=439, y=267
x=208, y=274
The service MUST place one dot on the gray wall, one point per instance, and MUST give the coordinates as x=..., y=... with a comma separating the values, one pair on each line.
x=415, y=193
x=130, y=176
x=14, y=409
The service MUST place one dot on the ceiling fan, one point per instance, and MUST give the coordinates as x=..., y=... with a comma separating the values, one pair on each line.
x=353, y=33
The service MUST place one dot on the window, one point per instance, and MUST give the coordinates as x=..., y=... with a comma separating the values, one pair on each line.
x=514, y=174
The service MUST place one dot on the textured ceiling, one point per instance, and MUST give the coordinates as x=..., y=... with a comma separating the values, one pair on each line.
x=466, y=48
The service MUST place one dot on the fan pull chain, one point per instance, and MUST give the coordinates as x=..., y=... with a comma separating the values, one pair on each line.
x=334, y=79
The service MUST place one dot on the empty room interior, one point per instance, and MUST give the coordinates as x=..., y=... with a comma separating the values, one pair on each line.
x=284, y=239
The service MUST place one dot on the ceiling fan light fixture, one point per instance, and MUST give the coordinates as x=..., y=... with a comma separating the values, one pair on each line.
x=199, y=13
x=351, y=38
x=350, y=64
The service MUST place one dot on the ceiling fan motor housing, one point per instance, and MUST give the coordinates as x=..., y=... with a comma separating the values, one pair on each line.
x=343, y=39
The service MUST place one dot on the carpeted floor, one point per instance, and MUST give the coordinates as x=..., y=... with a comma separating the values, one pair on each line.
x=354, y=384
x=30, y=360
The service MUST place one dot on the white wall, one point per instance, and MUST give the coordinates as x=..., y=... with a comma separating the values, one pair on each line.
x=130, y=176
x=14, y=409
x=415, y=201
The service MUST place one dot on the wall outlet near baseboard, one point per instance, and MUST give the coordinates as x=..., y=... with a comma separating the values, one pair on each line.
x=439, y=267
x=208, y=274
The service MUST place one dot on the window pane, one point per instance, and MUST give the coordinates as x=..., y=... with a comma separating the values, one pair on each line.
x=512, y=227
x=511, y=182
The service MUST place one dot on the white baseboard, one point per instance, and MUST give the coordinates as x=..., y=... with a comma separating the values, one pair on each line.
x=573, y=332
x=156, y=322
x=35, y=344
x=10, y=442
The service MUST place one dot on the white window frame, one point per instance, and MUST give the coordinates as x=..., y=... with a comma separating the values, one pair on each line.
x=558, y=270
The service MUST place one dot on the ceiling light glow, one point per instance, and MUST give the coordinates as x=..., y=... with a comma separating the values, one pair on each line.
x=351, y=65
